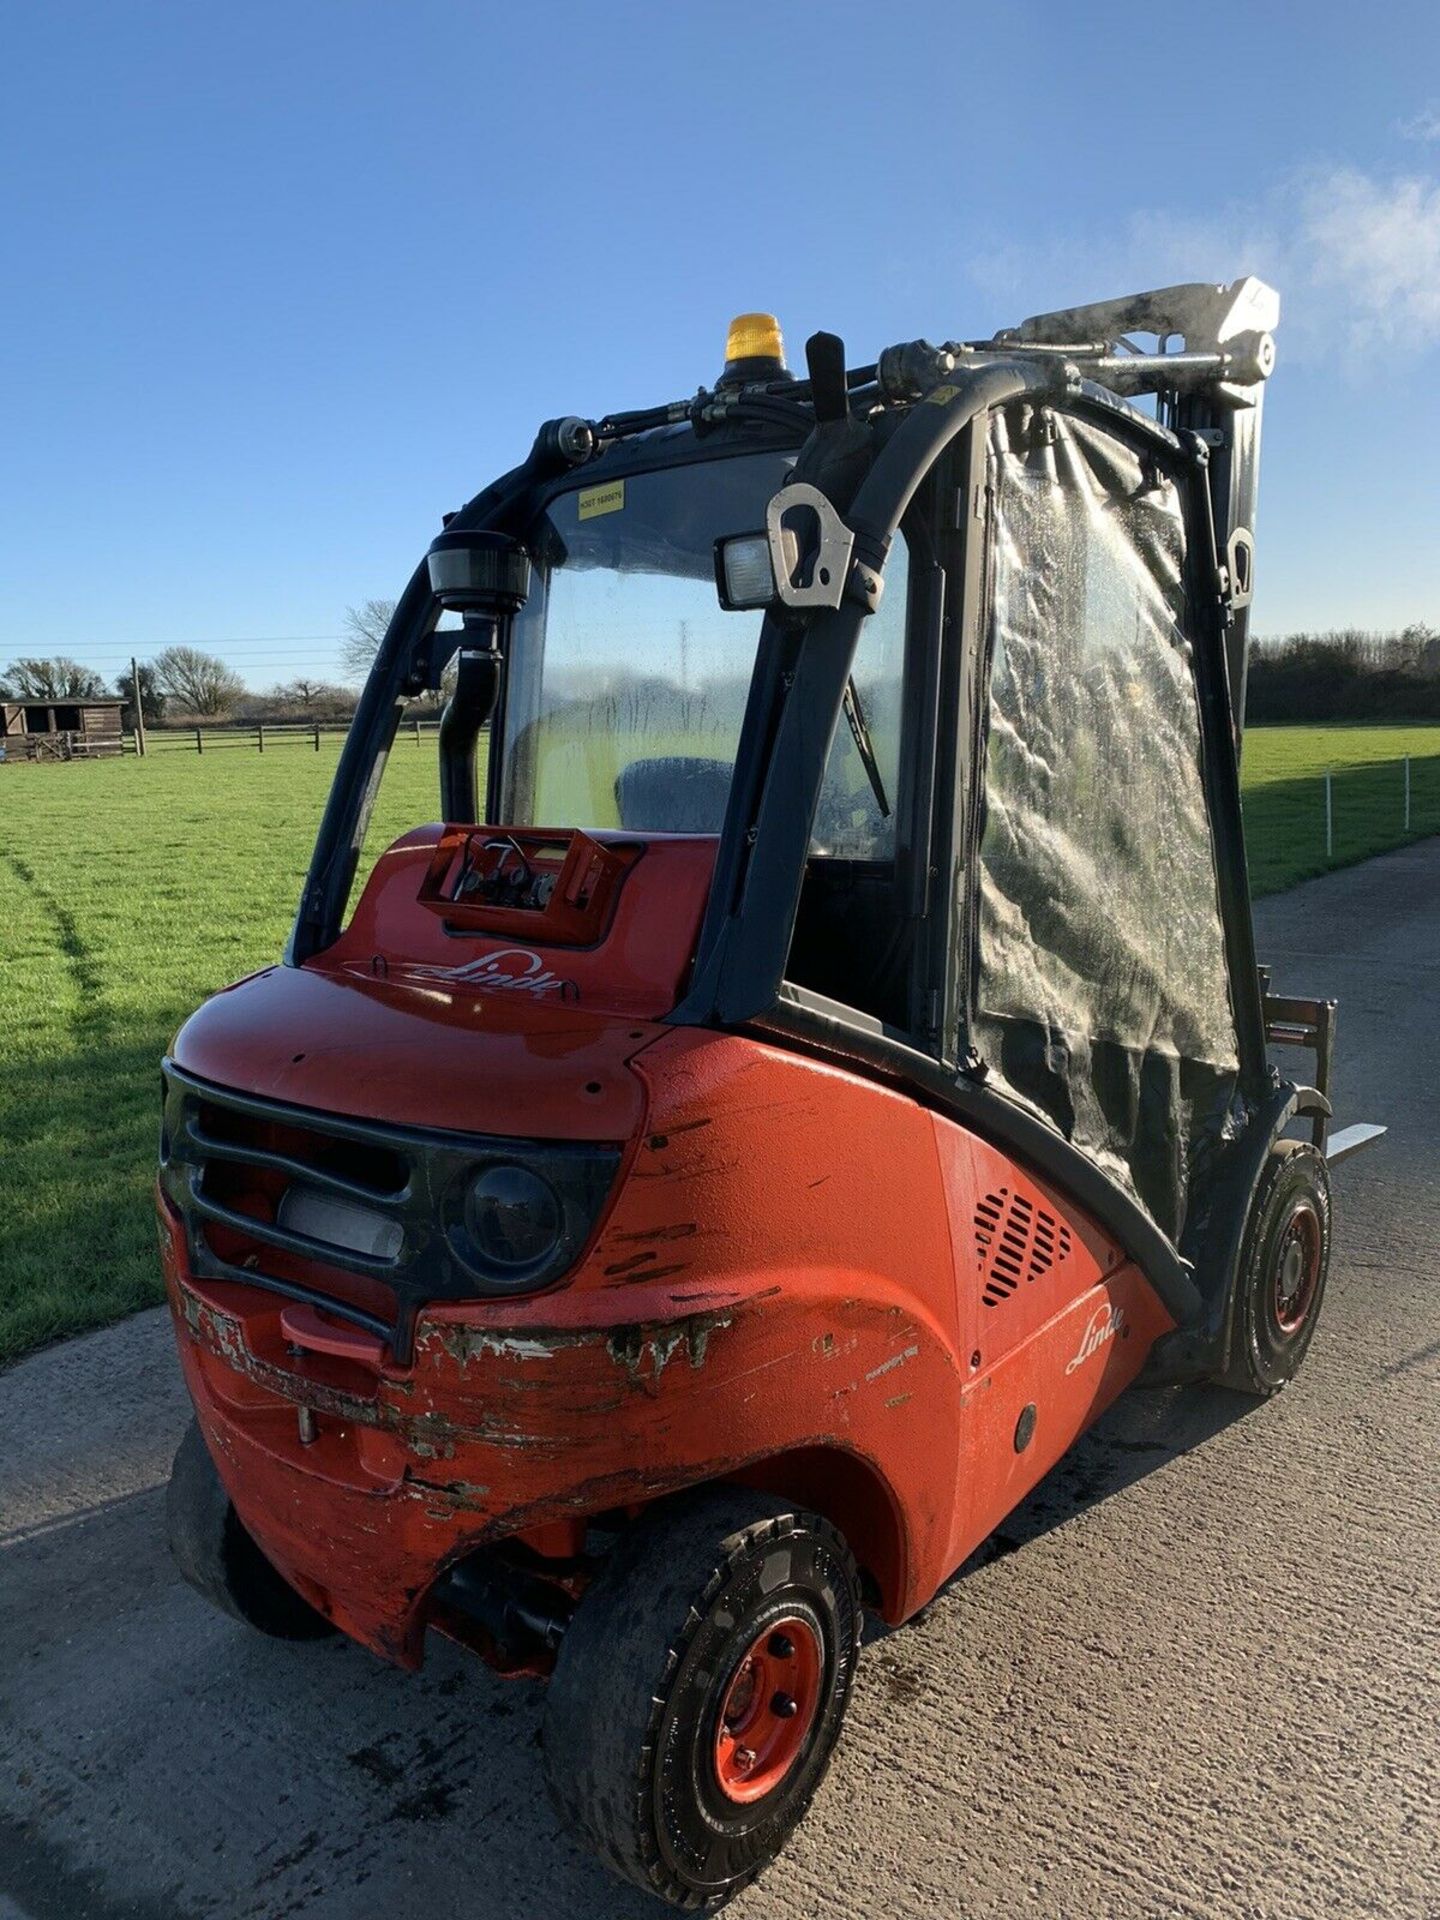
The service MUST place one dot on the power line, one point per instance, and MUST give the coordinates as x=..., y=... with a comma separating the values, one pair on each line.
x=257, y=640
x=144, y=653
x=124, y=658
x=258, y=658
x=227, y=640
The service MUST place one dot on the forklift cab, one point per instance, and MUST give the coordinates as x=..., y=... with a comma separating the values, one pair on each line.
x=717, y=1169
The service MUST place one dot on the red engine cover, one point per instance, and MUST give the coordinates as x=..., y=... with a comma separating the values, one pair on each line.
x=636, y=964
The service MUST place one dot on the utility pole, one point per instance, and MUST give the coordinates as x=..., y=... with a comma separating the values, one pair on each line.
x=139, y=710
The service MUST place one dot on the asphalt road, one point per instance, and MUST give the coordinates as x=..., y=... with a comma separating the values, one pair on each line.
x=1196, y=1674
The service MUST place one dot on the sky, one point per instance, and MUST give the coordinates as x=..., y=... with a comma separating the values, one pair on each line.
x=284, y=282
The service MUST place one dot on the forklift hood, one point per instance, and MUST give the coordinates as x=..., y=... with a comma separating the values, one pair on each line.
x=467, y=1059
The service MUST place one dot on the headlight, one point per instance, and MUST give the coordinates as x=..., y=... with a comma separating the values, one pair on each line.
x=516, y=1223
x=512, y=1217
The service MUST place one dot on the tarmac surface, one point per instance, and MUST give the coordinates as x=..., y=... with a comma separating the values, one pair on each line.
x=1194, y=1675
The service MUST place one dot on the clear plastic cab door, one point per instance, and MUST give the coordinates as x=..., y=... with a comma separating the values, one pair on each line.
x=1097, y=954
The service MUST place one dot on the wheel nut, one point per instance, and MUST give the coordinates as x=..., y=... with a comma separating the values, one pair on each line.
x=784, y=1707
x=781, y=1647
x=744, y=1758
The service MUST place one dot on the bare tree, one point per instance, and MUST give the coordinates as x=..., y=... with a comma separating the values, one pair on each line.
x=301, y=692
x=364, y=630
x=321, y=699
x=55, y=679
x=197, y=682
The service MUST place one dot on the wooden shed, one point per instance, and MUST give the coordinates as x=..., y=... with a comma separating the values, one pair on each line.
x=60, y=729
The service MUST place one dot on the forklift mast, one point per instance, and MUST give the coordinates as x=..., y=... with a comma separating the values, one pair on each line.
x=1214, y=351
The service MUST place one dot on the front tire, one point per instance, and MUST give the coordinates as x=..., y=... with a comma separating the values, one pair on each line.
x=700, y=1689
x=1283, y=1269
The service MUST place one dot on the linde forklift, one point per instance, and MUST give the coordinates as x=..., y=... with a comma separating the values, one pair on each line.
x=709, y=1177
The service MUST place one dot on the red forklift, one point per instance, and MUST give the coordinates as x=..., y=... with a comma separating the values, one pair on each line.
x=708, y=1178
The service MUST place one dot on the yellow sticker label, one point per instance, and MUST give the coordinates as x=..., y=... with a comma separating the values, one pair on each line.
x=937, y=396
x=597, y=500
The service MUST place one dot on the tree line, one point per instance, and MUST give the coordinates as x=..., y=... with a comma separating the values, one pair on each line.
x=187, y=684
x=1346, y=674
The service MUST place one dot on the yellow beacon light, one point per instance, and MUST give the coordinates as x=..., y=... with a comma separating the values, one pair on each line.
x=754, y=350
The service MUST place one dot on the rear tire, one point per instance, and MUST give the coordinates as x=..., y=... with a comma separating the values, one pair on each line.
x=1283, y=1268
x=700, y=1689
x=220, y=1559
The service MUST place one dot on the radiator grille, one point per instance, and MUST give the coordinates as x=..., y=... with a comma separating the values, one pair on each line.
x=1015, y=1241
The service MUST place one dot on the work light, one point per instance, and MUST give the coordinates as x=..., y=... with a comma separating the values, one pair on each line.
x=744, y=571
x=340, y=1223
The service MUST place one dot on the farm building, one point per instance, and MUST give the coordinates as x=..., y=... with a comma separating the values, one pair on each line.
x=60, y=729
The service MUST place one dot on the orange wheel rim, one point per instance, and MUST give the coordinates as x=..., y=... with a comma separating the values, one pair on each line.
x=768, y=1710
x=1297, y=1269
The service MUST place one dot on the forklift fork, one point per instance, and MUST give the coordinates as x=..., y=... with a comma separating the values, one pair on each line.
x=1291, y=1021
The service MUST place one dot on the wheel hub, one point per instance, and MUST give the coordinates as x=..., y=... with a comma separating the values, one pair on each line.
x=1297, y=1269
x=768, y=1710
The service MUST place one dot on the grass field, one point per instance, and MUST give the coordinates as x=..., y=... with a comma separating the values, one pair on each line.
x=129, y=890
x=1283, y=778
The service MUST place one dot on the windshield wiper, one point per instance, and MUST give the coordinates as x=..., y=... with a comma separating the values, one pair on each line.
x=865, y=747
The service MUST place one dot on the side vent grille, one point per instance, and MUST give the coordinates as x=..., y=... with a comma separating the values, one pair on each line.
x=1015, y=1240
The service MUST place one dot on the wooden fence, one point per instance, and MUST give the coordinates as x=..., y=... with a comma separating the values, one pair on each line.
x=263, y=736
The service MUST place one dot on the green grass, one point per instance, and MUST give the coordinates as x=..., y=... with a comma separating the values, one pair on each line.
x=130, y=890
x=1282, y=775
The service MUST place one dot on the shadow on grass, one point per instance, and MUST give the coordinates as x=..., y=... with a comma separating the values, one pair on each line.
x=75, y=1180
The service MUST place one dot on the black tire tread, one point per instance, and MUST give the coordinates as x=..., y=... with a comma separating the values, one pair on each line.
x=606, y=1697
x=220, y=1559
x=1285, y=1159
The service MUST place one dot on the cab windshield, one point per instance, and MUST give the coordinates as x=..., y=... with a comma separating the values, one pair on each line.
x=627, y=681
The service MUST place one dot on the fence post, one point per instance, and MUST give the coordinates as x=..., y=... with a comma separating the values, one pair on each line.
x=199, y=743
x=260, y=734
x=317, y=736
x=1407, y=793
x=417, y=732
x=1329, y=818
x=139, y=710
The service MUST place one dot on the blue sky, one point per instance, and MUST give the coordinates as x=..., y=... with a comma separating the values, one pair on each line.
x=286, y=282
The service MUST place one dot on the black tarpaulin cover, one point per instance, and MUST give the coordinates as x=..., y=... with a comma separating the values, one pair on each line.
x=1100, y=980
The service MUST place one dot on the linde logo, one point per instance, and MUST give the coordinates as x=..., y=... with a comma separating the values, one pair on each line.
x=508, y=970
x=1105, y=1323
